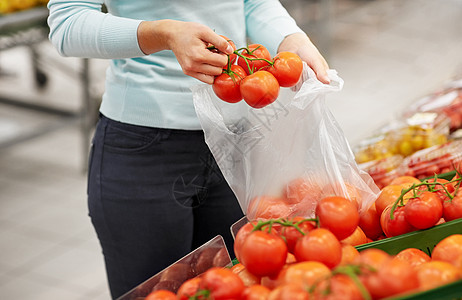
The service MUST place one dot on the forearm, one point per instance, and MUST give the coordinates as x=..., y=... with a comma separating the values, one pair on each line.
x=268, y=23
x=80, y=29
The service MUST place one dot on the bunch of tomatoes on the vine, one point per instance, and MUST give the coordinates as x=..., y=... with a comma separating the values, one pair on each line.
x=408, y=204
x=287, y=259
x=253, y=75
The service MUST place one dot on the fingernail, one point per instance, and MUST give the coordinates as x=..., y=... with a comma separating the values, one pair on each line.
x=229, y=49
x=326, y=78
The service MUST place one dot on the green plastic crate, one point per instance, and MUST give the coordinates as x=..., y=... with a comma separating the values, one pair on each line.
x=424, y=240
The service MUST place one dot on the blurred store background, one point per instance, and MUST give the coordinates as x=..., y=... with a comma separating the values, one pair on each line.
x=390, y=53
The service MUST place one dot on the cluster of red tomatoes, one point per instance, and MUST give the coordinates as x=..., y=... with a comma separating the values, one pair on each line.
x=294, y=259
x=253, y=75
x=408, y=204
x=298, y=258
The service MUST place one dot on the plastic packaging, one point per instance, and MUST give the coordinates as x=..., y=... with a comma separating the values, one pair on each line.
x=446, y=101
x=384, y=170
x=281, y=159
x=417, y=132
x=435, y=160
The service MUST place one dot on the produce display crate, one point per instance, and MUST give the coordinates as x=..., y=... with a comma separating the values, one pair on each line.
x=424, y=240
x=211, y=254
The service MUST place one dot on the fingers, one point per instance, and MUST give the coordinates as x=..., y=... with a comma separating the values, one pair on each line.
x=204, y=72
x=302, y=45
x=218, y=41
x=191, y=45
x=320, y=67
x=203, y=77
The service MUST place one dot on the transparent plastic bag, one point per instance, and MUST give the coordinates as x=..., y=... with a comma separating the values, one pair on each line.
x=281, y=159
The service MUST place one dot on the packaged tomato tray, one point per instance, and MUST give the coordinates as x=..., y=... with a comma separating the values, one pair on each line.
x=434, y=160
x=383, y=171
x=447, y=101
x=404, y=137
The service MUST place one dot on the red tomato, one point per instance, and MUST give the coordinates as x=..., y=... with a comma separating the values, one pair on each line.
x=319, y=245
x=256, y=55
x=372, y=257
x=388, y=195
x=291, y=234
x=302, y=190
x=413, y=256
x=349, y=254
x=288, y=292
x=343, y=189
x=405, y=179
x=189, y=288
x=382, y=271
x=369, y=221
x=449, y=249
x=304, y=274
x=263, y=254
x=222, y=283
x=452, y=209
x=423, y=211
x=399, y=225
x=161, y=295
x=268, y=207
x=227, y=85
x=439, y=189
x=339, y=215
x=339, y=286
x=259, y=89
x=232, y=57
x=247, y=278
x=287, y=68
x=256, y=292
x=305, y=193
x=356, y=238
x=396, y=275
x=241, y=235
x=436, y=273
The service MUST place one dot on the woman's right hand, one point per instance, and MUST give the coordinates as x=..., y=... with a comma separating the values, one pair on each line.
x=189, y=42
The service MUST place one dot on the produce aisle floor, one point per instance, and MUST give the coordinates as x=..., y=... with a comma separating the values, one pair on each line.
x=389, y=53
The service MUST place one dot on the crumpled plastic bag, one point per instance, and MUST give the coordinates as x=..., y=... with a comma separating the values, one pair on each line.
x=282, y=159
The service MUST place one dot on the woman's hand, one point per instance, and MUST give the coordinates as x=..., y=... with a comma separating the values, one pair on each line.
x=300, y=43
x=189, y=42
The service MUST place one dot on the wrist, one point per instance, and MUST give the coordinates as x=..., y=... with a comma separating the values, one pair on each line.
x=153, y=36
x=293, y=42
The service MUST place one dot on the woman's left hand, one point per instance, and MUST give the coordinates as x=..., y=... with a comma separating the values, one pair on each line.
x=300, y=44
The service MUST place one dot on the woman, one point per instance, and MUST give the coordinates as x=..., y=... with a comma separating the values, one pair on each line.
x=155, y=192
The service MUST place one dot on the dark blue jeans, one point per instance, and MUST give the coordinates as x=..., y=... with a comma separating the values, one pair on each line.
x=154, y=195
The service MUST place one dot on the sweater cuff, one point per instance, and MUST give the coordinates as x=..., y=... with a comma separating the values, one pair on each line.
x=119, y=38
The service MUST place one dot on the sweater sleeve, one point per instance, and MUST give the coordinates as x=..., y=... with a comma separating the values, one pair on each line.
x=268, y=23
x=81, y=29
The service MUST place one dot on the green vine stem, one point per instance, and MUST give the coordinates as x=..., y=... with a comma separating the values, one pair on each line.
x=200, y=295
x=284, y=222
x=245, y=58
x=352, y=271
x=430, y=187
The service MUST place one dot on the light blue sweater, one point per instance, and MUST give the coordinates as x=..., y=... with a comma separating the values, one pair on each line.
x=151, y=90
